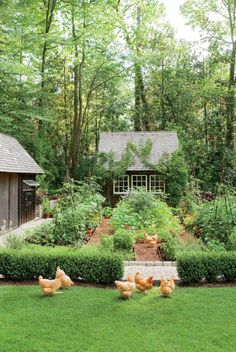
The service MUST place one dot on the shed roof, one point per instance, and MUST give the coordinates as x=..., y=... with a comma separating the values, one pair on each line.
x=14, y=158
x=162, y=142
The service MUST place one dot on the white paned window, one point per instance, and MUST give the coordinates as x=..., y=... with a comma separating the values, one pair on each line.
x=139, y=181
x=156, y=184
x=121, y=185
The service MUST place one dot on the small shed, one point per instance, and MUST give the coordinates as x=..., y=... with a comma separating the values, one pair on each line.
x=137, y=175
x=17, y=183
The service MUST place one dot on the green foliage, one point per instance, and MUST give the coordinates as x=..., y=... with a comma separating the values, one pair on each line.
x=141, y=210
x=169, y=248
x=107, y=243
x=89, y=264
x=232, y=240
x=217, y=220
x=211, y=266
x=215, y=246
x=80, y=208
x=106, y=167
x=123, y=241
x=107, y=212
x=14, y=241
x=175, y=171
x=42, y=234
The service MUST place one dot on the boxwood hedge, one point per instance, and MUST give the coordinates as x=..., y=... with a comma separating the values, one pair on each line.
x=211, y=266
x=91, y=265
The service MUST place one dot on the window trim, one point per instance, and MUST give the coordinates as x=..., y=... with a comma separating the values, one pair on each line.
x=159, y=179
x=132, y=178
x=115, y=192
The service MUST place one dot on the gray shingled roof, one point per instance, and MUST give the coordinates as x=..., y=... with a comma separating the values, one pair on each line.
x=14, y=158
x=162, y=142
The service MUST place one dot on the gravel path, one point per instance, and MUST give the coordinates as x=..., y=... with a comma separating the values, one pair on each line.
x=21, y=230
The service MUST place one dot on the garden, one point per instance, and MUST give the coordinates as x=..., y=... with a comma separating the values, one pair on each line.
x=199, y=234
x=92, y=241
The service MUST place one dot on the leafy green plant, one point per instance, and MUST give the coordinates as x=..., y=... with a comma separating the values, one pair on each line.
x=107, y=212
x=168, y=248
x=232, y=240
x=216, y=220
x=107, y=243
x=123, y=241
x=42, y=234
x=175, y=171
x=80, y=208
x=14, y=241
x=215, y=246
x=141, y=210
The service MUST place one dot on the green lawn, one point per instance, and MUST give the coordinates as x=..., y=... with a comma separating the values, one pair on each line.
x=91, y=319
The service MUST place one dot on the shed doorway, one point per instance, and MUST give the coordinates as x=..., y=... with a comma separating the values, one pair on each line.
x=27, y=200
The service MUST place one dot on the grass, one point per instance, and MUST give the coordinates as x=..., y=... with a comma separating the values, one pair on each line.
x=93, y=319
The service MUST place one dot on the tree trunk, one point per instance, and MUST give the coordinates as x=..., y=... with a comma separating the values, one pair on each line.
x=141, y=118
x=78, y=100
x=230, y=103
x=50, y=7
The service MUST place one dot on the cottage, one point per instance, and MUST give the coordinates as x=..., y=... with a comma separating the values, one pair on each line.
x=17, y=183
x=138, y=174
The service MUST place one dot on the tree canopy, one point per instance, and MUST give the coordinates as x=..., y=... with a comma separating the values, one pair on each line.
x=70, y=69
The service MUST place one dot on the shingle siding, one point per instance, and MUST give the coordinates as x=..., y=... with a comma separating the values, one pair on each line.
x=14, y=158
x=162, y=142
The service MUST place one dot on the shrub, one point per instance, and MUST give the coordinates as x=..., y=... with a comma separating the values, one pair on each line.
x=215, y=246
x=216, y=220
x=79, y=208
x=155, y=215
x=42, y=234
x=14, y=241
x=107, y=212
x=212, y=266
x=169, y=248
x=107, y=243
x=232, y=240
x=175, y=171
x=89, y=263
x=123, y=241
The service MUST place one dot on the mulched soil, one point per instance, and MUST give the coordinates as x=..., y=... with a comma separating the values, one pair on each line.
x=104, y=229
x=144, y=252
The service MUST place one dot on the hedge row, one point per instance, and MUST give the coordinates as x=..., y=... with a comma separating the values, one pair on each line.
x=92, y=266
x=211, y=266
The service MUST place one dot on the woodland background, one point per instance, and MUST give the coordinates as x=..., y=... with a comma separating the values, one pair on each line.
x=70, y=69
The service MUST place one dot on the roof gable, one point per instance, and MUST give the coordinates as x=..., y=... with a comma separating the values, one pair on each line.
x=116, y=142
x=14, y=158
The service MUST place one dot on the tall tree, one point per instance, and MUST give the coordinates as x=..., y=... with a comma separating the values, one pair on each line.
x=217, y=20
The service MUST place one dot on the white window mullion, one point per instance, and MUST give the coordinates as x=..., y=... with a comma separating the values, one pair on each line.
x=156, y=184
x=139, y=181
x=121, y=185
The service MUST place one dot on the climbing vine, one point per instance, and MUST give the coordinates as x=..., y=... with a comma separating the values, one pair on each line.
x=172, y=168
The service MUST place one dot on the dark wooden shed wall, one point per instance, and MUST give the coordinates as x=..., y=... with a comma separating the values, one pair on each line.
x=113, y=199
x=9, y=199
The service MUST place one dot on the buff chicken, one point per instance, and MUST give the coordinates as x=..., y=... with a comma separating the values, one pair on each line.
x=65, y=279
x=49, y=287
x=126, y=288
x=151, y=240
x=167, y=287
x=171, y=282
x=143, y=284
